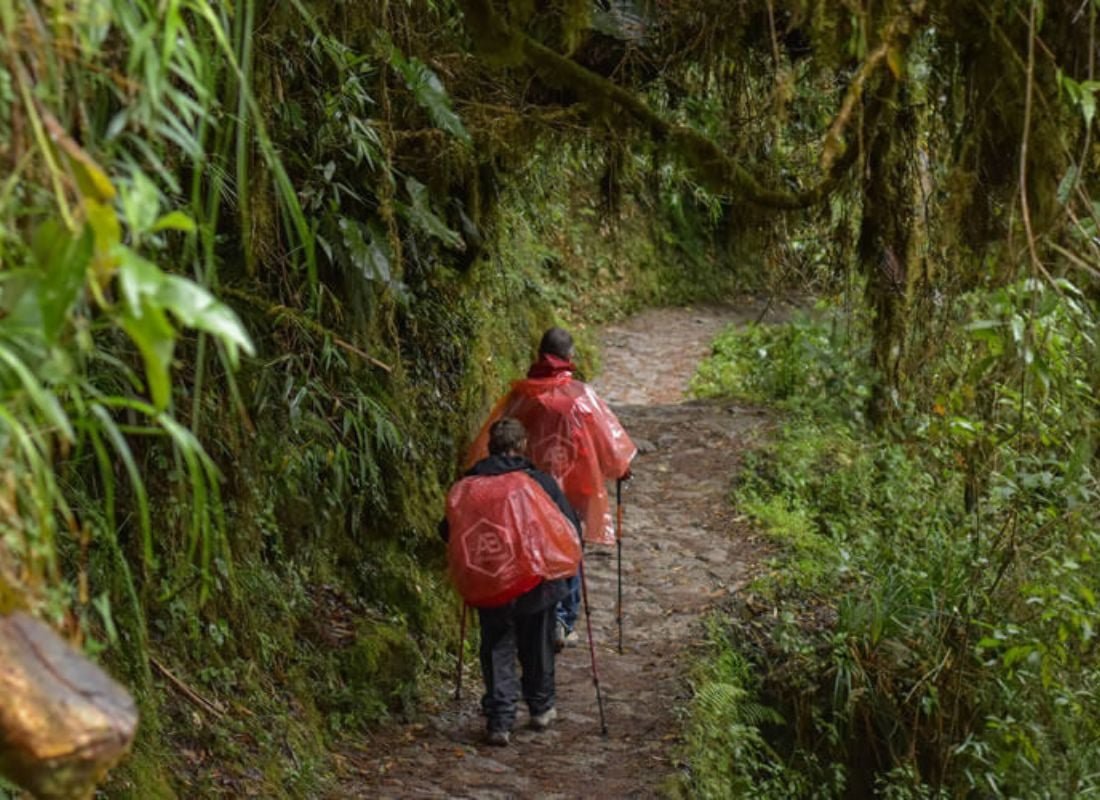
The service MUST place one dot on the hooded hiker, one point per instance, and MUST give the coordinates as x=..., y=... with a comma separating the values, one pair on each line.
x=573, y=436
x=512, y=540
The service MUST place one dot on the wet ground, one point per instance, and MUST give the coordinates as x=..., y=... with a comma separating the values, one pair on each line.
x=684, y=552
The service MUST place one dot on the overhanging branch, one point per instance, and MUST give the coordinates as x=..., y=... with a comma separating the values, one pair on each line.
x=507, y=46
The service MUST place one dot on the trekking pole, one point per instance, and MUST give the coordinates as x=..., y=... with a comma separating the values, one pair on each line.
x=592, y=649
x=619, y=551
x=461, y=652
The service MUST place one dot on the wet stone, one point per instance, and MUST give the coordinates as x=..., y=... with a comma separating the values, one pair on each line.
x=716, y=556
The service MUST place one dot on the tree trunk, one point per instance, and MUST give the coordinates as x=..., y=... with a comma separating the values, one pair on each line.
x=886, y=240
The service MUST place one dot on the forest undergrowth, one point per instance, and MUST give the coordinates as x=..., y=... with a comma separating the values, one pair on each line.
x=926, y=628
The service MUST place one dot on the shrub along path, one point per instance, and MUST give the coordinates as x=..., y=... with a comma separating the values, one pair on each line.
x=683, y=553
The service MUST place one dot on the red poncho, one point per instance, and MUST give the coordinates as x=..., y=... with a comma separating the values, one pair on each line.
x=572, y=435
x=506, y=536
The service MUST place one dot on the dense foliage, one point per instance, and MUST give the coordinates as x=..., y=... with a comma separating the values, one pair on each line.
x=935, y=624
x=264, y=263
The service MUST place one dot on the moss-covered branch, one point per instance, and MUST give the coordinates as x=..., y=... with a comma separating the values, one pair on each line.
x=504, y=45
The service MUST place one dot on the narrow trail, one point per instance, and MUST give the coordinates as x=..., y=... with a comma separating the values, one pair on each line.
x=683, y=553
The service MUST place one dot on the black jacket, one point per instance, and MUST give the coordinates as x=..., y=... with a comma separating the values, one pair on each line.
x=547, y=592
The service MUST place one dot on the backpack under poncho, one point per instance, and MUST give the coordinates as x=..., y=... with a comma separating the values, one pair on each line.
x=506, y=536
x=573, y=436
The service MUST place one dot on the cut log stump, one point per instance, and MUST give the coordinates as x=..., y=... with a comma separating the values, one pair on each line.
x=63, y=721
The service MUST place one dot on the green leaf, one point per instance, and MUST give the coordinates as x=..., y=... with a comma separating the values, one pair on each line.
x=1068, y=85
x=1018, y=653
x=138, y=278
x=102, y=604
x=150, y=294
x=20, y=304
x=430, y=94
x=66, y=270
x=204, y=477
x=421, y=215
x=140, y=203
x=47, y=500
x=156, y=340
x=368, y=253
x=1082, y=95
x=1017, y=324
x=196, y=308
x=174, y=221
x=1067, y=183
x=103, y=221
x=984, y=324
x=1087, y=594
x=1088, y=107
x=45, y=401
x=118, y=441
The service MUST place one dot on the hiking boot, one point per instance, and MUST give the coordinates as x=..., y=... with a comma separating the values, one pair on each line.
x=541, y=722
x=499, y=738
x=560, y=636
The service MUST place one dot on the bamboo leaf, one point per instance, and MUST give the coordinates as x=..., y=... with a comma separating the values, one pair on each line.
x=45, y=401
x=118, y=441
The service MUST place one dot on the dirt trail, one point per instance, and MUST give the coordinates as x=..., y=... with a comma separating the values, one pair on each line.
x=682, y=554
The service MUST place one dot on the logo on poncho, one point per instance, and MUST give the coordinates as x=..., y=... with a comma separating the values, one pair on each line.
x=555, y=453
x=488, y=548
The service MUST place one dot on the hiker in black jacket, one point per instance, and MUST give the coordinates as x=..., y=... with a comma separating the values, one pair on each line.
x=525, y=623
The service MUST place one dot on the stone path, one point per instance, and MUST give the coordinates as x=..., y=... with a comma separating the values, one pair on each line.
x=683, y=553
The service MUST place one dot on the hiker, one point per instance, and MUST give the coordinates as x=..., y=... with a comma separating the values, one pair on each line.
x=512, y=541
x=573, y=436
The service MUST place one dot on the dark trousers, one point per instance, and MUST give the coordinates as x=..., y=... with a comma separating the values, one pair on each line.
x=504, y=634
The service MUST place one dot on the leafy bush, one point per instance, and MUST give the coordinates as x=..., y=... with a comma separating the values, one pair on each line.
x=811, y=365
